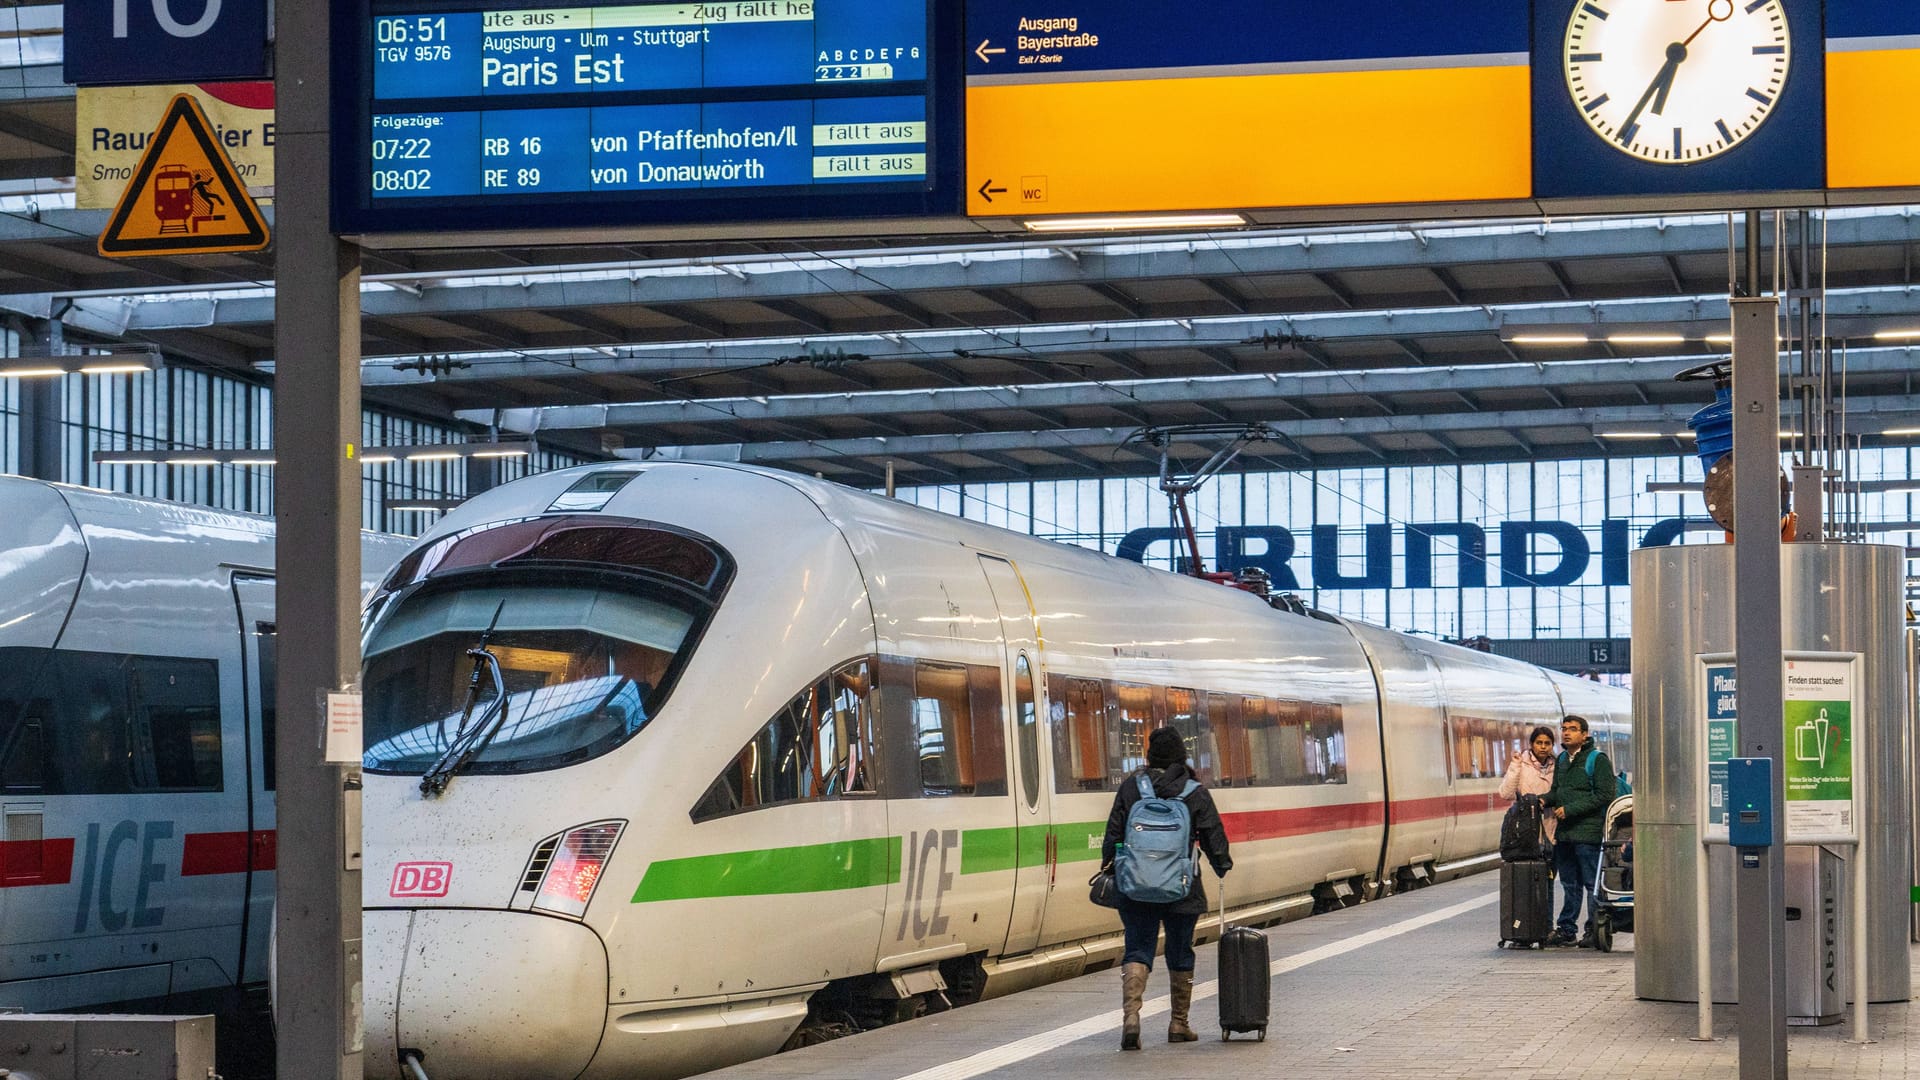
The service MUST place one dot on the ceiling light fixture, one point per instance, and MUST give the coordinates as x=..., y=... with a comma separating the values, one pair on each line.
x=261, y=457
x=1646, y=339
x=1897, y=335
x=39, y=364
x=1548, y=339
x=1123, y=222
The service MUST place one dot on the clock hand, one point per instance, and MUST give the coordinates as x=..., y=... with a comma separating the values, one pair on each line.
x=1661, y=84
x=1675, y=54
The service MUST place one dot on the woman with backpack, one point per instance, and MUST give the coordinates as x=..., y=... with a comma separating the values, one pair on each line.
x=1171, y=780
x=1531, y=771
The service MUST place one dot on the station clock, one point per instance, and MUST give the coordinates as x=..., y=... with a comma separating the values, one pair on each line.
x=1675, y=82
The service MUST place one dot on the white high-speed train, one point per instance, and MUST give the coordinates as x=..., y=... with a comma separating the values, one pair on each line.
x=671, y=764
x=136, y=749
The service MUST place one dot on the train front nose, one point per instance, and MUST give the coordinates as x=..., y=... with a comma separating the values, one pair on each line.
x=482, y=995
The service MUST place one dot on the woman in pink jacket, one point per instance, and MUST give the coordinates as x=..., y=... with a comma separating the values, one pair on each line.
x=1531, y=771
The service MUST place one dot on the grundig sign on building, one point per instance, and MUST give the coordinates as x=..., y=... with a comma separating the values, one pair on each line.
x=1523, y=560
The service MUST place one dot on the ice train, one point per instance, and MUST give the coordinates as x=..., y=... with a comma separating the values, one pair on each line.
x=670, y=765
x=137, y=648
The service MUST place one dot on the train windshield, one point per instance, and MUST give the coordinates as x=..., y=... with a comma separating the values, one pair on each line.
x=584, y=667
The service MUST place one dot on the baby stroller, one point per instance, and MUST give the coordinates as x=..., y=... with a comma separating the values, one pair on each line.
x=1613, y=889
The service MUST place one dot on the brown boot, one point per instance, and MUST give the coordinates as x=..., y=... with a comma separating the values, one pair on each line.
x=1133, y=987
x=1177, y=1029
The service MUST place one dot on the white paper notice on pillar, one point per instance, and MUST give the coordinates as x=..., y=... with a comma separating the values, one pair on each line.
x=345, y=743
x=1821, y=755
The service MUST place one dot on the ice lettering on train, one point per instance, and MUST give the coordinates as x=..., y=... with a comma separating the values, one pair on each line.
x=919, y=853
x=97, y=877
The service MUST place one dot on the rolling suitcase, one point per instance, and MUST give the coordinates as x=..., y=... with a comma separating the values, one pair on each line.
x=1244, y=976
x=1526, y=903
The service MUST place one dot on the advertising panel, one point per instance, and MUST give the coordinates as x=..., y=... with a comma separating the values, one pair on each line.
x=113, y=124
x=1820, y=752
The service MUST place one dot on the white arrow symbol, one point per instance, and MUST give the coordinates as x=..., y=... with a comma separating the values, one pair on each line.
x=982, y=51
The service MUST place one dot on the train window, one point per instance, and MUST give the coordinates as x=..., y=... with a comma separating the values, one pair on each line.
x=819, y=745
x=107, y=724
x=1027, y=720
x=1463, y=764
x=174, y=726
x=1260, y=734
x=1080, y=736
x=584, y=668
x=1186, y=713
x=603, y=541
x=1292, y=750
x=1327, y=736
x=1134, y=716
x=594, y=490
x=23, y=757
x=1230, y=739
x=943, y=728
x=989, y=719
x=845, y=737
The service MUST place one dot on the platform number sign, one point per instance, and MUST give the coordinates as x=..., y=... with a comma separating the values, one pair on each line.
x=1599, y=652
x=127, y=42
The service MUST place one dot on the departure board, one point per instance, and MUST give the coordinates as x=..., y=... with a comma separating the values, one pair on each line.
x=472, y=118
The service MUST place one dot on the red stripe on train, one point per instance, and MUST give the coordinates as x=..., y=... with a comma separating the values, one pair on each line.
x=1272, y=824
x=227, y=852
x=1485, y=802
x=36, y=862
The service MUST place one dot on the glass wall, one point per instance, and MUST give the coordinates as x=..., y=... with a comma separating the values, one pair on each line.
x=1516, y=550
x=9, y=425
x=185, y=410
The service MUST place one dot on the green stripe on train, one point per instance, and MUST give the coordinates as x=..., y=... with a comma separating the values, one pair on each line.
x=850, y=864
x=985, y=851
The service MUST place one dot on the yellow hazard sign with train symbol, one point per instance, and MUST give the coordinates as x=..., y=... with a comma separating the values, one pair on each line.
x=184, y=197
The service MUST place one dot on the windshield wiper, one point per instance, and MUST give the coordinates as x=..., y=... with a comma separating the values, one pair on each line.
x=469, y=741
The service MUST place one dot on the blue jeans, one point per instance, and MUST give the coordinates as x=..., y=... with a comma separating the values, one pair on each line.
x=1578, y=867
x=1143, y=922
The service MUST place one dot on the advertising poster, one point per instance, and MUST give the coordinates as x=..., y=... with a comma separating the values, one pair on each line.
x=112, y=125
x=1722, y=719
x=1819, y=750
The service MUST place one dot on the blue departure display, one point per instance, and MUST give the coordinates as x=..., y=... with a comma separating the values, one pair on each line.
x=655, y=111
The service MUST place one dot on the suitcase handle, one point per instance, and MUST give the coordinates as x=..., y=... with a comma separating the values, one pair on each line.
x=1223, y=904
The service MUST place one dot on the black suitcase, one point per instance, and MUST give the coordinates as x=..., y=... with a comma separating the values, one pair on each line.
x=1526, y=903
x=1245, y=976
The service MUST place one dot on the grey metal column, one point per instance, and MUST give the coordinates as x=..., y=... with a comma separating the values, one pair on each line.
x=41, y=400
x=317, y=502
x=1760, y=880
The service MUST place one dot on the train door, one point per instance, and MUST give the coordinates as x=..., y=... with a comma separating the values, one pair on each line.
x=1022, y=679
x=253, y=597
x=1443, y=813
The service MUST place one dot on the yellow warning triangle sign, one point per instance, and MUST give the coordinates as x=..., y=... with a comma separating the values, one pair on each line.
x=184, y=198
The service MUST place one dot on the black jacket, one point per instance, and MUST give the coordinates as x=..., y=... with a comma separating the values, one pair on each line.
x=1207, y=830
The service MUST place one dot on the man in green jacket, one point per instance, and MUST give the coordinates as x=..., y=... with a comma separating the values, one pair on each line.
x=1583, y=788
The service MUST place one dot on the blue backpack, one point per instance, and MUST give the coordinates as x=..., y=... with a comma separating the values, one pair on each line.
x=1155, y=863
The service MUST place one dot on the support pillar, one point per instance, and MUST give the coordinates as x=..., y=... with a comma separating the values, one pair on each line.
x=1760, y=874
x=317, y=502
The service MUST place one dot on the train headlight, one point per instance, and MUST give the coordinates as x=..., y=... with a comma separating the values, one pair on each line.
x=565, y=869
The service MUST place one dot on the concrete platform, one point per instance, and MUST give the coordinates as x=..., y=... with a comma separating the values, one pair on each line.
x=1411, y=986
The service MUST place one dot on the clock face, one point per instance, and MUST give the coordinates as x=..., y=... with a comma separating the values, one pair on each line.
x=1676, y=81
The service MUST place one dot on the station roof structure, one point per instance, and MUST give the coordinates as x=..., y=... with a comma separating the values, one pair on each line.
x=1018, y=358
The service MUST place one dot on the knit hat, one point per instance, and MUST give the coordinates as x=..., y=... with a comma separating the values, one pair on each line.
x=1164, y=747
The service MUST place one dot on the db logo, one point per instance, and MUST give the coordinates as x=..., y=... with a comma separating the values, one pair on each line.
x=421, y=879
